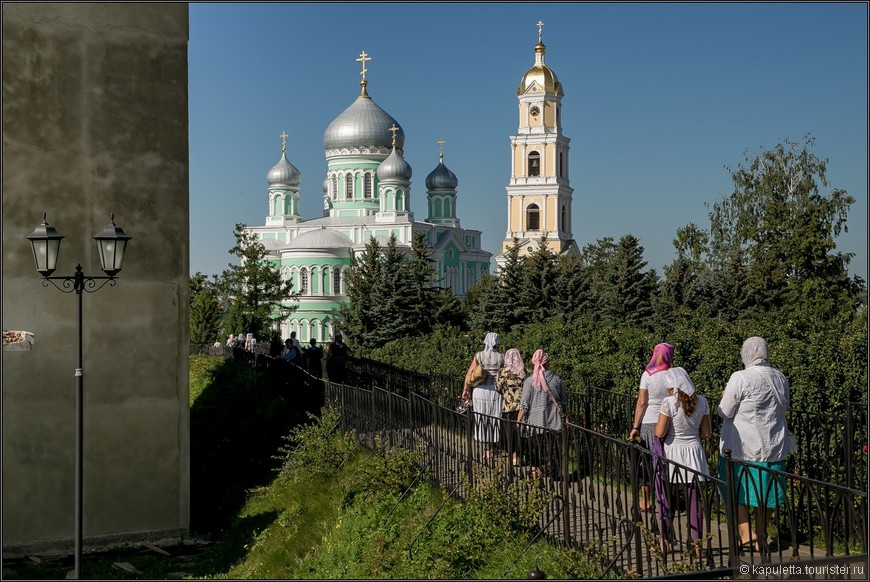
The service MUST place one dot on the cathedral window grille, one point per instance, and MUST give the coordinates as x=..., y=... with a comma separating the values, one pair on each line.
x=533, y=217
x=303, y=281
x=334, y=184
x=336, y=281
x=367, y=185
x=534, y=164
x=348, y=186
x=561, y=167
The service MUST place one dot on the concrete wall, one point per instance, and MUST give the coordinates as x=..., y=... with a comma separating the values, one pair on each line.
x=95, y=122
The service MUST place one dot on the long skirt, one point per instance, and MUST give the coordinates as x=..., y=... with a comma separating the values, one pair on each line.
x=756, y=487
x=487, y=405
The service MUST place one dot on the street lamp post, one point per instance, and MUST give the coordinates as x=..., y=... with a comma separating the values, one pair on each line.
x=111, y=242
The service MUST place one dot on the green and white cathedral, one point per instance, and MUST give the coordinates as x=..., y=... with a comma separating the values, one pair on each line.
x=366, y=193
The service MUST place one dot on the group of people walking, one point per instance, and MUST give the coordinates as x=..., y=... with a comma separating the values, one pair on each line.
x=508, y=391
x=512, y=404
x=671, y=419
x=310, y=358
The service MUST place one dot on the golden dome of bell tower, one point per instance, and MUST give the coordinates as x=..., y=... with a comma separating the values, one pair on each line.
x=539, y=194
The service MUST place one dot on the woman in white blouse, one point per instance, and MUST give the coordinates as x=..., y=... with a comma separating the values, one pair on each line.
x=752, y=409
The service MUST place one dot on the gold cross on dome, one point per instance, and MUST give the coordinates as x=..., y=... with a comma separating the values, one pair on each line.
x=283, y=137
x=540, y=26
x=441, y=148
x=394, y=129
x=363, y=57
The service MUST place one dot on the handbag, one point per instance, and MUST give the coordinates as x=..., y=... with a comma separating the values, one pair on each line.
x=791, y=447
x=476, y=375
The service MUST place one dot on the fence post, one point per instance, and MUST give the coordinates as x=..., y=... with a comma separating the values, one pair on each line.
x=635, y=509
x=469, y=444
x=731, y=509
x=849, y=446
x=566, y=517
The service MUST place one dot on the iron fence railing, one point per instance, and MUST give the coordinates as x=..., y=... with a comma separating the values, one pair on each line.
x=592, y=481
x=592, y=478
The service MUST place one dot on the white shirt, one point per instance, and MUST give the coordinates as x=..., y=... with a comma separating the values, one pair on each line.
x=753, y=422
x=657, y=389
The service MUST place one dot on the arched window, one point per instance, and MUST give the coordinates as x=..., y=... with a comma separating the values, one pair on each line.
x=325, y=276
x=288, y=205
x=436, y=207
x=534, y=164
x=447, y=212
x=348, y=186
x=334, y=183
x=533, y=217
x=336, y=281
x=303, y=281
x=399, y=200
x=562, y=218
x=561, y=170
x=367, y=185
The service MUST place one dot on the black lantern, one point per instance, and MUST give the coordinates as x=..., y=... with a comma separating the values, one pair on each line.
x=45, y=242
x=112, y=242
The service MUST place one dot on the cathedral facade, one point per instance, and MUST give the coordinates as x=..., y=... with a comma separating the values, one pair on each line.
x=366, y=194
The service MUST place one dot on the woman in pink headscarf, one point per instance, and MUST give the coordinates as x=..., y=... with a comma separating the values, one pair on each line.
x=543, y=405
x=653, y=391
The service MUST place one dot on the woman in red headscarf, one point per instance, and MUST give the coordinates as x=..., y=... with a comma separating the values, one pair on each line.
x=653, y=390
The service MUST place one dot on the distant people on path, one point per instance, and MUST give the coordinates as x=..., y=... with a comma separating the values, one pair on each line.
x=239, y=342
x=295, y=341
x=542, y=405
x=231, y=341
x=250, y=342
x=291, y=353
x=485, y=400
x=313, y=358
x=684, y=419
x=652, y=392
x=509, y=384
x=336, y=359
x=752, y=408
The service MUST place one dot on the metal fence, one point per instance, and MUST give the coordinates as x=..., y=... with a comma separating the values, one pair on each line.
x=592, y=483
x=593, y=480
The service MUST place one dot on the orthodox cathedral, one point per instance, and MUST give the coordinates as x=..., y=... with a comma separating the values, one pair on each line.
x=366, y=193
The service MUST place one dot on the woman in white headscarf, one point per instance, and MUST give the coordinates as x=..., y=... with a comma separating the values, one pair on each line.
x=486, y=401
x=752, y=409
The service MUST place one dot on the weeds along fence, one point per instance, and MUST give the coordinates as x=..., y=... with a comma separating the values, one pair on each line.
x=831, y=446
x=592, y=498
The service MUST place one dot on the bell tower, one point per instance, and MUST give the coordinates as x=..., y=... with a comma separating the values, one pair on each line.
x=539, y=194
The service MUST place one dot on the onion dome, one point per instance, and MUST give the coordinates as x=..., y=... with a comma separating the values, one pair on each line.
x=363, y=124
x=540, y=74
x=441, y=178
x=394, y=168
x=284, y=173
x=321, y=238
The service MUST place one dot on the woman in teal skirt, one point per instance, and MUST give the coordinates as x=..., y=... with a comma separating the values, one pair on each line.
x=752, y=409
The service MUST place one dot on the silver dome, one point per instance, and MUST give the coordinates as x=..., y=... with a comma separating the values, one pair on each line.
x=321, y=238
x=394, y=168
x=363, y=124
x=284, y=173
x=441, y=178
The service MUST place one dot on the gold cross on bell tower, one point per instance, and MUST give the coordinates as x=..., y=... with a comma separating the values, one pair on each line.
x=540, y=26
x=363, y=57
x=283, y=137
x=394, y=129
x=440, y=143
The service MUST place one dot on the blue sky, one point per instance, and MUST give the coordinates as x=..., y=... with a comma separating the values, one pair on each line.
x=659, y=99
